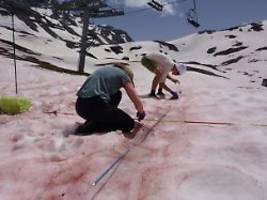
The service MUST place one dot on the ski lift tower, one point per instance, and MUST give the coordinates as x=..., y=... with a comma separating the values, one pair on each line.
x=93, y=9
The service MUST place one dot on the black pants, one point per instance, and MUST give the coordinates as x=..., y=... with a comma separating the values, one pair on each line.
x=103, y=117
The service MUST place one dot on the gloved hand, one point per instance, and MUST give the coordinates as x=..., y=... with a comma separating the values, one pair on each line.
x=140, y=115
x=174, y=96
x=175, y=81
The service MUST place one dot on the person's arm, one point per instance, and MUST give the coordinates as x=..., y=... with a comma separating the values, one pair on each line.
x=129, y=88
x=165, y=87
x=173, y=93
x=173, y=79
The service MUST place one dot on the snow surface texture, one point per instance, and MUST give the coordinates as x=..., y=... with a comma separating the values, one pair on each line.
x=211, y=145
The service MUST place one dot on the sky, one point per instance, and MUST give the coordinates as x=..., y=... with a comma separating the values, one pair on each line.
x=142, y=22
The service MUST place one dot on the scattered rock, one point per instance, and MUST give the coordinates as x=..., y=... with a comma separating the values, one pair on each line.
x=135, y=48
x=229, y=51
x=237, y=44
x=232, y=28
x=91, y=55
x=143, y=54
x=261, y=49
x=264, y=82
x=71, y=44
x=256, y=27
x=117, y=49
x=203, y=64
x=125, y=58
x=170, y=46
x=206, y=31
x=211, y=50
x=206, y=72
x=235, y=60
x=253, y=60
x=230, y=36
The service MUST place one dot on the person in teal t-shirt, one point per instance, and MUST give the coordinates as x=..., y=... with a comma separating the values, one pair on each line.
x=98, y=101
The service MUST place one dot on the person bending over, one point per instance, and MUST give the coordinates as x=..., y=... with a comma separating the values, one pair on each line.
x=161, y=65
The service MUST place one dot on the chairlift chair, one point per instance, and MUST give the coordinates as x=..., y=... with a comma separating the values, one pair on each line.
x=192, y=17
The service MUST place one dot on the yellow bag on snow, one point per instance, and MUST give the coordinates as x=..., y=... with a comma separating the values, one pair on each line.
x=14, y=105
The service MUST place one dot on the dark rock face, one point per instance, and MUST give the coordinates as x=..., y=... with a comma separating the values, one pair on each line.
x=256, y=27
x=112, y=35
x=107, y=50
x=211, y=50
x=235, y=60
x=230, y=36
x=135, y=48
x=203, y=64
x=125, y=58
x=91, y=55
x=261, y=49
x=169, y=45
x=117, y=49
x=206, y=31
x=237, y=44
x=202, y=71
x=253, y=60
x=264, y=82
x=229, y=51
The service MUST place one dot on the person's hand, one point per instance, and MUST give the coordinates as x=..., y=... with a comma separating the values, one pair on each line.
x=174, y=96
x=140, y=115
x=175, y=81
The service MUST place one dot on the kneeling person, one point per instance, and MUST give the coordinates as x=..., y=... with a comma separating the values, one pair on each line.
x=98, y=101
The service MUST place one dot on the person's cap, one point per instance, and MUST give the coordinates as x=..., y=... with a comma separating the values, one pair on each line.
x=126, y=69
x=181, y=68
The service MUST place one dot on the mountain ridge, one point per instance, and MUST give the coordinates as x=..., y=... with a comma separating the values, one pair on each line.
x=36, y=18
x=207, y=52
